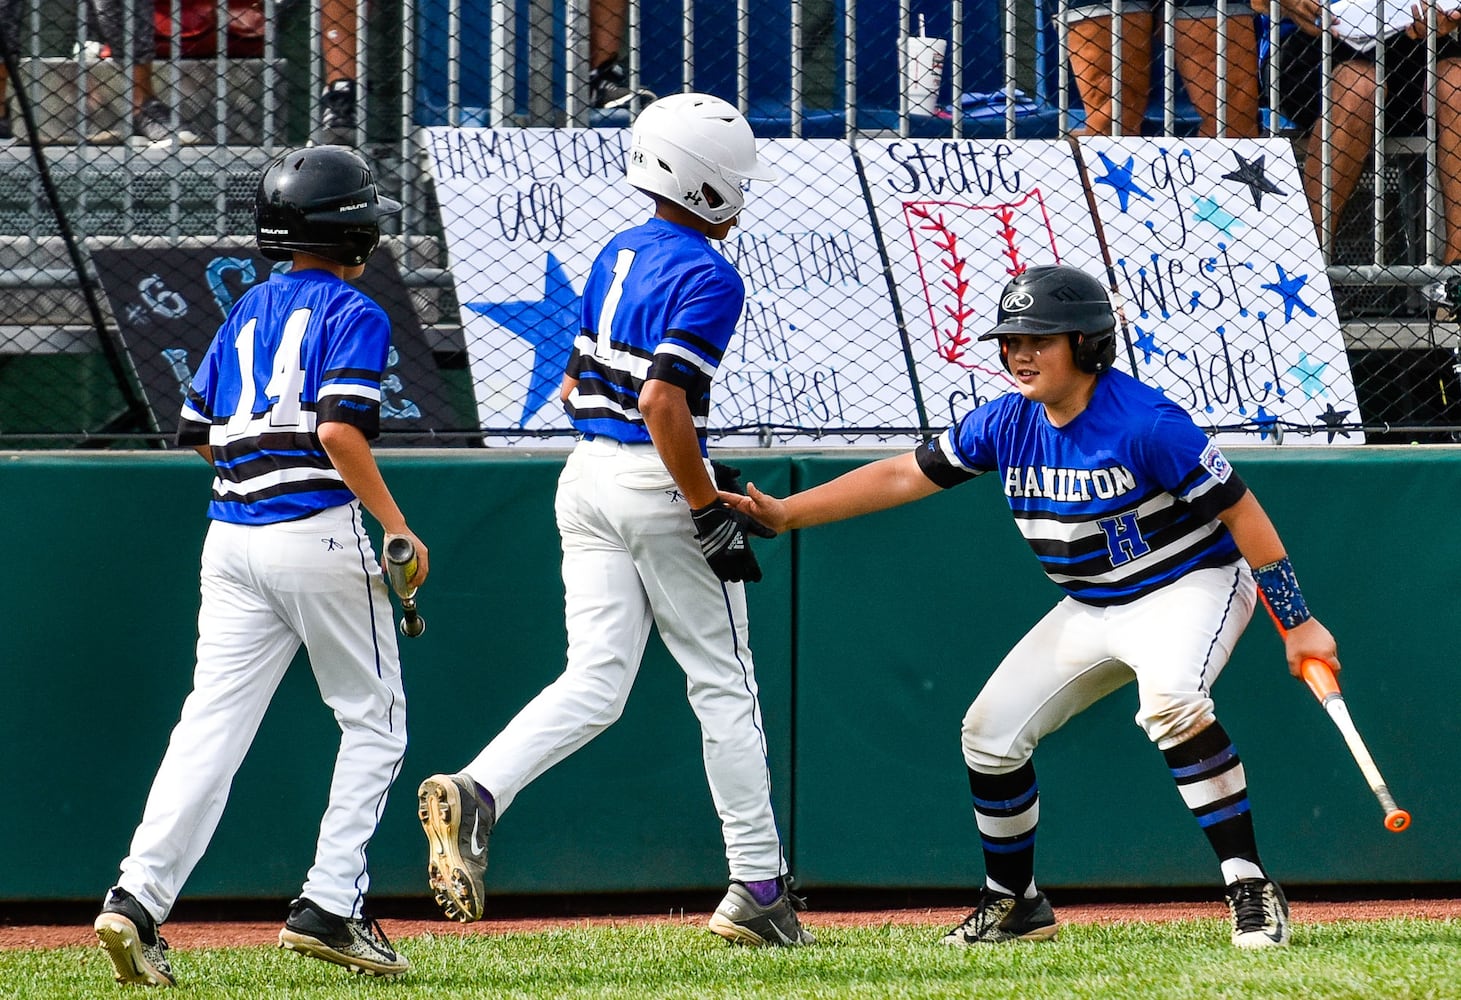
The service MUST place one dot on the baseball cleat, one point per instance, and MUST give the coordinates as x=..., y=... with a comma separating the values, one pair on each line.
x=457, y=823
x=130, y=937
x=1000, y=917
x=1260, y=913
x=741, y=920
x=355, y=943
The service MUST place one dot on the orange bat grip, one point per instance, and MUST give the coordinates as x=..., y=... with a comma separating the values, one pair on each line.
x=1319, y=677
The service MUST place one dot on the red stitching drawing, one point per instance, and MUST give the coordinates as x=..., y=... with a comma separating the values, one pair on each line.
x=963, y=269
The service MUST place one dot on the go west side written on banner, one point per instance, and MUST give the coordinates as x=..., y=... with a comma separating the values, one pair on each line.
x=169, y=303
x=817, y=353
x=1227, y=303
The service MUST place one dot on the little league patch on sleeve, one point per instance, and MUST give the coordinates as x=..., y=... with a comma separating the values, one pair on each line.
x=1215, y=462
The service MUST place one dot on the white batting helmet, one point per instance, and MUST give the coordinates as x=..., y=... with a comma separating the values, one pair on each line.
x=695, y=151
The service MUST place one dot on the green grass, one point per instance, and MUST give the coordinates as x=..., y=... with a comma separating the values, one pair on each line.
x=1387, y=959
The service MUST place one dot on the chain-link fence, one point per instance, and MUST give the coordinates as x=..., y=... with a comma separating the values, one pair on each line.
x=1293, y=280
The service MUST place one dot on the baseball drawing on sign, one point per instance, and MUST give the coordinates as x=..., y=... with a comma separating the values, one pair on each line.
x=959, y=220
x=956, y=246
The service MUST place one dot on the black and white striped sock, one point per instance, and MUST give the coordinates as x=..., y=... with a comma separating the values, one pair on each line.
x=1007, y=810
x=1210, y=777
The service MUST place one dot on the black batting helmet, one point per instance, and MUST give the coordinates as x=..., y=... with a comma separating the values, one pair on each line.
x=320, y=200
x=1059, y=299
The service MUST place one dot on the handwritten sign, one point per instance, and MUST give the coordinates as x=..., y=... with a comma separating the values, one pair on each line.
x=818, y=355
x=959, y=218
x=1224, y=290
x=169, y=302
x=526, y=212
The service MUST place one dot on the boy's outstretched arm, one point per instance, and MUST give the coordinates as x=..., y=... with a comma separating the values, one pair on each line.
x=878, y=485
x=1258, y=541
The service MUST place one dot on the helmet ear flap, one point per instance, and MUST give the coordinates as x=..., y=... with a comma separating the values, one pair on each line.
x=1093, y=353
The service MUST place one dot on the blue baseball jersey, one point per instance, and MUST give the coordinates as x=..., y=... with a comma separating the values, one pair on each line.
x=662, y=303
x=1117, y=503
x=299, y=350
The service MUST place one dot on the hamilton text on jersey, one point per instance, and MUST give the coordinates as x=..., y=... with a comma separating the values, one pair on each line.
x=1068, y=484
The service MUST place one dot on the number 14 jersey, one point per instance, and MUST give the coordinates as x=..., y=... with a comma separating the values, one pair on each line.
x=296, y=351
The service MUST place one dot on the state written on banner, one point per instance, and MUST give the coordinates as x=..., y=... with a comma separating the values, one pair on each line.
x=959, y=219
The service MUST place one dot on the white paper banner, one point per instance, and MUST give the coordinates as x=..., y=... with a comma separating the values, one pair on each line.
x=526, y=208
x=1226, y=297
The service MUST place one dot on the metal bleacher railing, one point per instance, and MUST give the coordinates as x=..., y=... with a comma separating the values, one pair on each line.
x=814, y=69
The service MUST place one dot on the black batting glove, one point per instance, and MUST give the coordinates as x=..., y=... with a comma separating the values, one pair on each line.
x=723, y=540
x=728, y=477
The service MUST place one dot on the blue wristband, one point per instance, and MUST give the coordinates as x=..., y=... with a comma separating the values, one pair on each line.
x=1281, y=588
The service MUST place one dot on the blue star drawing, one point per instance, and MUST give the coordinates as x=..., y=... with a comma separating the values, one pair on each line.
x=1289, y=288
x=1209, y=211
x=1266, y=423
x=549, y=324
x=1310, y=376
x=1119, y=179
x=1146, y=342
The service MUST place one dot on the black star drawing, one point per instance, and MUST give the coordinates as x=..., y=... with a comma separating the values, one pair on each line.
x=1251, y=174
x=1334, y=420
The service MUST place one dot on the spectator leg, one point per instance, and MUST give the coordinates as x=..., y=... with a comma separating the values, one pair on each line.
x=1352, y=104
x=1448, y=152
x=337, y=48
x=607, y=20
x=1197, y=46
x=1090, y=60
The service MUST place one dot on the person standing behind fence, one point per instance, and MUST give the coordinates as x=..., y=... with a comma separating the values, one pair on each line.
x=284, y=405
x=646, y=539
x=1353, y=82
x=151, y=118
x=608, y=79
x=1197, y=36
x=1161, y=550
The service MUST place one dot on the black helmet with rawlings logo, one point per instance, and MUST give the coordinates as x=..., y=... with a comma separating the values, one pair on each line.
x=320, y=200
x=1057, y=298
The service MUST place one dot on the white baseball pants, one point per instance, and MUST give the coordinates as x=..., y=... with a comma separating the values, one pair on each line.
x=266, y=589
x=1173, y=643
x=630, y=558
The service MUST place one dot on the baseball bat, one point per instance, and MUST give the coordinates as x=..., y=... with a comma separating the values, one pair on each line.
x=1322, y=682
x=400, y=567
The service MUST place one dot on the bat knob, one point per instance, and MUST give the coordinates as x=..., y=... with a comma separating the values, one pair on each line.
x=412, y=627
x=1397, y=820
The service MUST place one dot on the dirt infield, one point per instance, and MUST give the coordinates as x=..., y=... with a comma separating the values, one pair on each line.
x=220, y=934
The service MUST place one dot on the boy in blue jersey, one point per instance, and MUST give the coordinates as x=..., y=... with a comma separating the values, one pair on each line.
x=283, y=406
x=646, y=539
x=1139, y=518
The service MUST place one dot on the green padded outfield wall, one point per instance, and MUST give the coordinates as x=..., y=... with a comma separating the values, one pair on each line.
x=100, y=651
x=871, y=637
